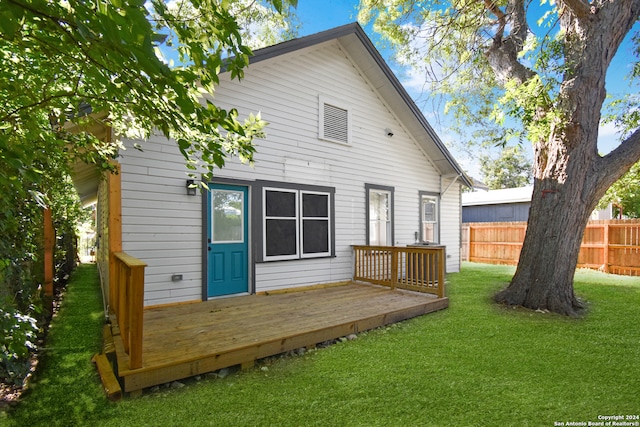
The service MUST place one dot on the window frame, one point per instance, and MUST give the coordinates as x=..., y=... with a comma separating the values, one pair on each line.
x=436, y=197
x=299, y=191
x=312, y=218
x=265, y=218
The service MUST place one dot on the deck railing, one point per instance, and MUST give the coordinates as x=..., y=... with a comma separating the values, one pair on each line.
x=127, y=302
x=413, y=268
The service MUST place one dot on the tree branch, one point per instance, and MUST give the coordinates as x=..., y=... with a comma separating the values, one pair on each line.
x=615, y=164
x=503, y=53
x=502, y=19
x=579, y=8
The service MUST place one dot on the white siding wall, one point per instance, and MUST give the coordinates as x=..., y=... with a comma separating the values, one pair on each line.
x=451, y=220
x=162, y=225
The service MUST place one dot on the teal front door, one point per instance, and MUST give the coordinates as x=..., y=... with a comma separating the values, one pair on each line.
x=228, y=240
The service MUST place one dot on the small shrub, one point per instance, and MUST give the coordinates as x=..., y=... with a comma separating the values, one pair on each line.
x=17, y=340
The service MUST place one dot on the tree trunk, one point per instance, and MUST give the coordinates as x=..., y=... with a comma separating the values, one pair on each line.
x=544, y=277
x=570, y=176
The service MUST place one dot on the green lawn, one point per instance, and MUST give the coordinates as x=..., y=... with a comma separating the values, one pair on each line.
x=474, y=364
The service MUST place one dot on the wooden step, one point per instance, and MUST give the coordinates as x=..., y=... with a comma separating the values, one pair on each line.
x=108, y=377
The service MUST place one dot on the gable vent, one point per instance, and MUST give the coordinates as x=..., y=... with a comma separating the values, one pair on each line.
x=336, y=123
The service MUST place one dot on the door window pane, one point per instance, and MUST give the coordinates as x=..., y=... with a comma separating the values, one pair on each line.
x=228, y=216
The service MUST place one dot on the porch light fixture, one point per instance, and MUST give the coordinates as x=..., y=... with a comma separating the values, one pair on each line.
x=191, y=187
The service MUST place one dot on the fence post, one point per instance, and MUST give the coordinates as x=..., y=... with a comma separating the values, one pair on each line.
x=606, y=247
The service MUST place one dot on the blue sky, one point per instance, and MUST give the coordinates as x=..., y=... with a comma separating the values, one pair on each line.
x=320, y=15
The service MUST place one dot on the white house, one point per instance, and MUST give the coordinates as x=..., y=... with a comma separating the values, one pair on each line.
x=349, y=160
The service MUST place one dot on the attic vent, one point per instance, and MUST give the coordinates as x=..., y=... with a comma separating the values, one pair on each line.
x=334, y=123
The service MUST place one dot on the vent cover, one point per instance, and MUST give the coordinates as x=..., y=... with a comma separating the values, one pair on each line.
x=336, y=123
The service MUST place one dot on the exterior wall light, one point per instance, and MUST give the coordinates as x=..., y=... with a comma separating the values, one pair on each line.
x=191, y=187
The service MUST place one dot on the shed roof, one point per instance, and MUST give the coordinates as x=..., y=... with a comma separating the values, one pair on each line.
x=496, y=197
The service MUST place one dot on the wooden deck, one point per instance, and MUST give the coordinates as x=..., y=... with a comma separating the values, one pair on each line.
x=186, y=340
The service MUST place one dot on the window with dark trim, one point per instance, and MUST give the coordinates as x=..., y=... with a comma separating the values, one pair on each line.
x=429, y=214
x=297, y=223
x=379, y=201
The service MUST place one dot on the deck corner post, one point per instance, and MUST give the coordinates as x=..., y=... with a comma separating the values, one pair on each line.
x=136, y=313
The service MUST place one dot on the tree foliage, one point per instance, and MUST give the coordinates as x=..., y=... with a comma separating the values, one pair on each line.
x=75, y=63
x=532, y=71
x=61, y=61
x=511, y=169
x=624, y=194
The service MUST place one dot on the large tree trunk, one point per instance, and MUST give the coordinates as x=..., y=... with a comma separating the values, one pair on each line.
x=570, y=175
x=544, y=277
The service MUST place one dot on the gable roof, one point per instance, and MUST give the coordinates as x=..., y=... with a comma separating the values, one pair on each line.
x=360, y=48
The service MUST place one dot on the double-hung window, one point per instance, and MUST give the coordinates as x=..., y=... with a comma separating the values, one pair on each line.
x=296, y=224
x=430, y=229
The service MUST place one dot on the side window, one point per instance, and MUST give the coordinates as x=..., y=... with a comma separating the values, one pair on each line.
x=296, y=224
x=379, y=215
x=429, y=212
x=334, y=121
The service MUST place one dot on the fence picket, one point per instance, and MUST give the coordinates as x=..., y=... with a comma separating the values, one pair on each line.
x=611, y=246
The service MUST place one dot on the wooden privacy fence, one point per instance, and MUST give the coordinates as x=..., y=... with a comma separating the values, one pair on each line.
x=127, y=303
x=612, y=246
x=413, y=268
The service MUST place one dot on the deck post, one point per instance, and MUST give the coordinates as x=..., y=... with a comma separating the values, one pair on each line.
x=114, y=229
x=441, y=267
x=136, y=309
x=395, y=254
x=130, y=314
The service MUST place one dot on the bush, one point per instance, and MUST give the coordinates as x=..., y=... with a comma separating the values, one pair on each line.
x=18, y=333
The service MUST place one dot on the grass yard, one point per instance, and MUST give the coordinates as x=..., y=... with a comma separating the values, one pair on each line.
x=474, y=364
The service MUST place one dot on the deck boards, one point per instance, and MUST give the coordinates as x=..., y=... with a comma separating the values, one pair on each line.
x=187, y=340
